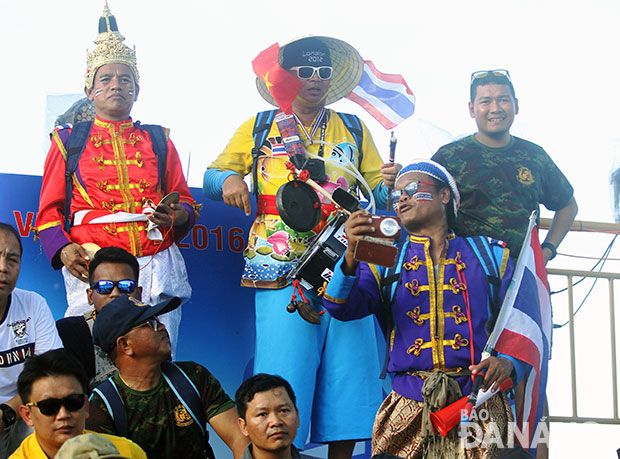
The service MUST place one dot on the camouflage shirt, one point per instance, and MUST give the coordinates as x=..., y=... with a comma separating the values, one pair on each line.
x=157, y=421
x=500, y=187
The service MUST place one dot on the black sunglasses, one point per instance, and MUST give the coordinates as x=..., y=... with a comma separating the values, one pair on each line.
x=153, y=323
x=105, y=287
x=51, y=406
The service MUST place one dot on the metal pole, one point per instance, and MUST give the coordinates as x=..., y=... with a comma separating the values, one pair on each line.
x=579, y=225
x=612, y=324
x=571, y=331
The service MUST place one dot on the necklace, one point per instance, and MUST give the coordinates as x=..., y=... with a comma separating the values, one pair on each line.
x=125, y=382
x=315, y=126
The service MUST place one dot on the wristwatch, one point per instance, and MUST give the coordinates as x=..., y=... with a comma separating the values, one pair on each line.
x=551, y=247
x=8, y=415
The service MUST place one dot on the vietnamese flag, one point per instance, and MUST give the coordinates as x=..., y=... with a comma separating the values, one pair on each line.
x=281, y=84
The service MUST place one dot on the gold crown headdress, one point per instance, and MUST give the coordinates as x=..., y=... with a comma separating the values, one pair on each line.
x=110, y=49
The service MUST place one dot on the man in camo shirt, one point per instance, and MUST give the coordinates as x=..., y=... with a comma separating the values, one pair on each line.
x=157, y=419
x=503, y=178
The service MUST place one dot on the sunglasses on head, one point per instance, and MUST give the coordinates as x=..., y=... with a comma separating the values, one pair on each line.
x=485, y=73
x=410, y=189
x=51, y=406
x=153, y=322
x=305, y=72
x=105, y=287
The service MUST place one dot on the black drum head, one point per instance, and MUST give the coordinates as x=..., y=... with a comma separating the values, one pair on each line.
x=298, y=205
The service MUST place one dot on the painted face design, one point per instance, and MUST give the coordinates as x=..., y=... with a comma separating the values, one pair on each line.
x=419, y=196
x=98, y=92
x=423, y=196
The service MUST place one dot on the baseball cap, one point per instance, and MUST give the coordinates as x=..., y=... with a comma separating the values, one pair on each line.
x=88, y=446
x=122, y=314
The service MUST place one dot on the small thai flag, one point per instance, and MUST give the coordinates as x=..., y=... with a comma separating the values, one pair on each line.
x=386, y=97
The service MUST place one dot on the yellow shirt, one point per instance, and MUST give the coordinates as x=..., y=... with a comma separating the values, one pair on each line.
x=237, y=156
x=30, y=448
x=273, y=247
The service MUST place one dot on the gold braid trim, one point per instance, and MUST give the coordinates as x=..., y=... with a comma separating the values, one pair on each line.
x=335, y=300
x=47, y=225
x=418, y=345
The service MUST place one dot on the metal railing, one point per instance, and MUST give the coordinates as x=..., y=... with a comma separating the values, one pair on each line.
x=570, y=275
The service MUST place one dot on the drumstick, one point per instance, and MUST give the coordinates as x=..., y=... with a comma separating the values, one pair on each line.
x=391, y=160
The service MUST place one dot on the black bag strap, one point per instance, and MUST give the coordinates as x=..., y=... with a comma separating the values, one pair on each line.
x=76, y=142
x=262, y=126
x=482, y=249
x=389, y=283
x=354, y=125
x=188, y=395
x=108, y=392
x=186, y=392
x=160, y=148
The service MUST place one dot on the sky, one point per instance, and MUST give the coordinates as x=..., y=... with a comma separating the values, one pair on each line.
x=194, y=60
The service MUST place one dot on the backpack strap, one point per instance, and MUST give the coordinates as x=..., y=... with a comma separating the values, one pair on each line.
x=160, y=148
x=354, y=125
x=389, y=282
x=110, y=395
x=262, y=126
x=188, y=395
x=482, y=249
x=186, y=392
x=75, y=144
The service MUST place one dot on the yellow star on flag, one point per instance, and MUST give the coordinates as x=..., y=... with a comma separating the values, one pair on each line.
x=268, y=83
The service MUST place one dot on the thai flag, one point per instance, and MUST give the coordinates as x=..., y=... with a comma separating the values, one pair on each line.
x=386, y=97
x=523, y=328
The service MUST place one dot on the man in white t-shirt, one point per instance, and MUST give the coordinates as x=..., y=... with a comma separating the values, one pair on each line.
x=26, y=328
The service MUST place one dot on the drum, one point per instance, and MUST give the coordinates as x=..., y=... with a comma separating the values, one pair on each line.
x=298, y=205
x=316, y=265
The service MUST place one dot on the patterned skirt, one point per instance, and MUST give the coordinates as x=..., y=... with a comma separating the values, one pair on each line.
x=397, y=429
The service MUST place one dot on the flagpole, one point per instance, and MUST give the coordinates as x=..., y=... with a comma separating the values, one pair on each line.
x=391, y=160
x=512, y=288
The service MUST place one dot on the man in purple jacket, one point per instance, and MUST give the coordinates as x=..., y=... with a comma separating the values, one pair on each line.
x=442, y=309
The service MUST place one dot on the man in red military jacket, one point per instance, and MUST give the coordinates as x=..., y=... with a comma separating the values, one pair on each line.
x=116, y=187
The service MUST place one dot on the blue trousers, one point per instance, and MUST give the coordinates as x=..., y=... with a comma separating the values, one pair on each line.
x=333, y=367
